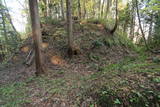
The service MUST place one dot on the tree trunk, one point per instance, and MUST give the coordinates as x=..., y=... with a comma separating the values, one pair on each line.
x=37, y=37
x=102, y=8
x=69, y=27
x=49, y=11
x=132, y=27
x=124, y=27
x=47, y=1
x=93, y=8
x=108, y=7
x=79, y=9
x=4, y=27
x=62, y=10
x=140, y=26
x=84, y=11
x=99, y=8
x=132, y=21
x=2, y=53
x=116, y=23
x=150, y=28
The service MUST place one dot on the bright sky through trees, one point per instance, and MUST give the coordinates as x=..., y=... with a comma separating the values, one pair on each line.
x=15, y=9
x=19, y=19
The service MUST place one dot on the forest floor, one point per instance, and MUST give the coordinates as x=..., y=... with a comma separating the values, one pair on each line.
x=108, y=71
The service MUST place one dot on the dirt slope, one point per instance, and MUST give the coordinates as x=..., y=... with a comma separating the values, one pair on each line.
x=78, y=82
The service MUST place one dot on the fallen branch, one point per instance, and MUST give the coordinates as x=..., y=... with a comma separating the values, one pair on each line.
x=30, y=58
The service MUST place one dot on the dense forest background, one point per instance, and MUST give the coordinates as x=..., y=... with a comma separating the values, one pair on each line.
x=80, y=53
x=102, y=11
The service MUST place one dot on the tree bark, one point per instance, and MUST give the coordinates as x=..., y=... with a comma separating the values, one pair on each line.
x=99, y=8
x=4, y=27
x=150, y=28
x=2, y=53
x=116, y=23
x=109, y=3
x=69, y=27
x=62, y=10
x=140, y=26
x=79, y=9
x=47, y=1
x=143, y=34
x=84, y=11
x=37, y=36
x=102, y=8
x=132, y=21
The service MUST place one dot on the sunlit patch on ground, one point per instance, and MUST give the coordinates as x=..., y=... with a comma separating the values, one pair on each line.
x=25, y=49
x=45, y=45
x=100, y=26
x=83, y=22
x=57, y=60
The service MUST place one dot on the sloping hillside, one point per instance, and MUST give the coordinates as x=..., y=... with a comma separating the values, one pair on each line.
x=106, y=70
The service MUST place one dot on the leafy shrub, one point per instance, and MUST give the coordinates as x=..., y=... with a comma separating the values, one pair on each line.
x=119, y=39
x=146, y=98
x=107, y=97
x=13, y=95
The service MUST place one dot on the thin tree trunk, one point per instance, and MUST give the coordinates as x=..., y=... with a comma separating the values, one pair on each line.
x=47, y=1
x=143, y=34
x=140, y=26
x=102, y=8
x=109, y=3
x=132, y=21
x=2, y=53
x=116, y=23
x=59, y=12
x=150, y=28
x=37, y=36
x=132, y=28
x=69, y=27
x=62, y=10
x=79, y=9
x=93, y=8
x=4, y=27
x=84, y=11
x=50, y=8
x=124, y=27
x=99, y=8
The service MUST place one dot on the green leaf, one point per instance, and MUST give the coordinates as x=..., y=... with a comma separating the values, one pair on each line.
x=117, y=101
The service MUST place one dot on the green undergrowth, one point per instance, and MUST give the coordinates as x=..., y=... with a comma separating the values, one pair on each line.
x=112, y=85
x=13, y=95
x=119, y=39
x=106, y=86
x=18, y=93
x=50, y=20
x=107, y=23
x=136, y=64
x=50, y=86
x=116, y=87
x=108, y=97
